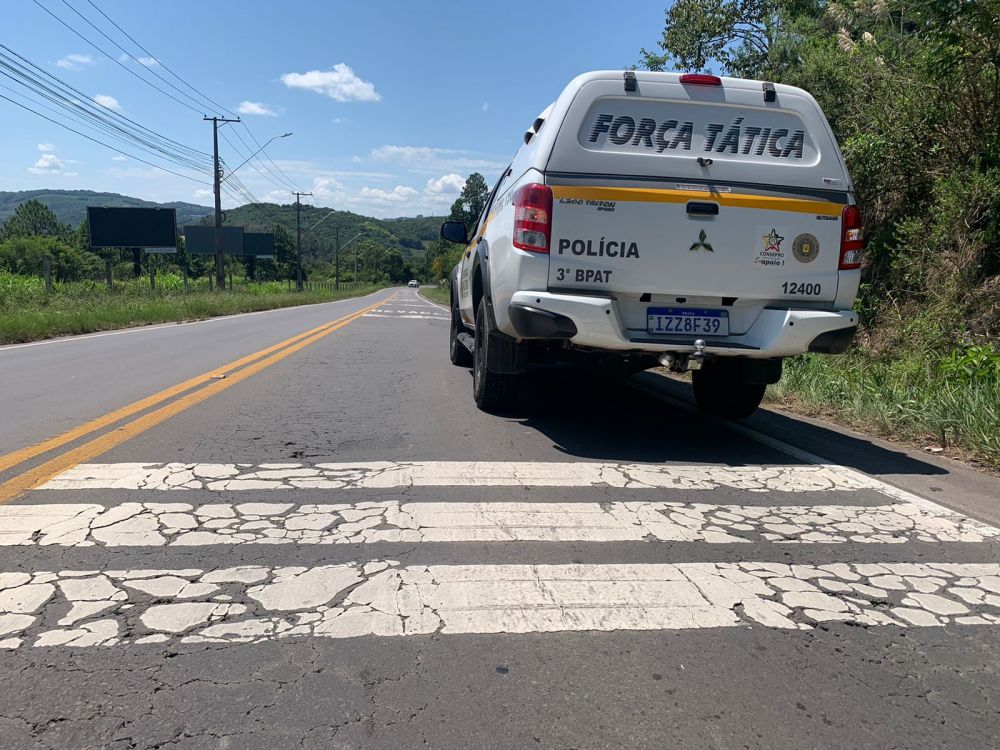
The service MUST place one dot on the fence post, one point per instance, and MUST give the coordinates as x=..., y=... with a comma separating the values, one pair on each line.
x=108, y=275
x=152, y=278
x=47, y=270
x=210, y=282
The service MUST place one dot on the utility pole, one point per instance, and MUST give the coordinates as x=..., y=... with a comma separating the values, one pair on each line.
x=298, y=243
x=337, y=257
x=220, y=258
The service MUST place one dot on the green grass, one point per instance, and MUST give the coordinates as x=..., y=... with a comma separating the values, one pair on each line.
x=916, y=398
x=28, y=313
x=439, y=294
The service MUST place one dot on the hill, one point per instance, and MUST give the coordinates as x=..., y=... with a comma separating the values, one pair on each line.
x=411, y=235
x=70, y=206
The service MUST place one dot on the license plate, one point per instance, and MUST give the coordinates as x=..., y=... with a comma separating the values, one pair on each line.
x=687, y=320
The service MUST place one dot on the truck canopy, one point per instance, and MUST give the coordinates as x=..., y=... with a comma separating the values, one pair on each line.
x=738, y=131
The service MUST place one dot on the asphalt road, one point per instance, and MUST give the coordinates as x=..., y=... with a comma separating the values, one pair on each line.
x=331, y=547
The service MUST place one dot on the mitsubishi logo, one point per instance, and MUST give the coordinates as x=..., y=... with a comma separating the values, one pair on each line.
x=701, y=244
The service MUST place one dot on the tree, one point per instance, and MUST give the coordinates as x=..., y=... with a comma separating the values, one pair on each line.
x=34, y=219
x=470, y=203
x=742, y=36
x=24, y=255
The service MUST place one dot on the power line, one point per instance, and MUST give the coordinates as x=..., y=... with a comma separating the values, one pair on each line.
x=115, y=59
x=68, y=92
x=130, y=55
x=273, y=171
x=134, y=41
x=276, y=169
x=95, y=140
x=270, y=176
x=91, y=119
x=105, y=130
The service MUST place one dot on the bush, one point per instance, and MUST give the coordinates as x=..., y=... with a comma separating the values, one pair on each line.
x=25, y=255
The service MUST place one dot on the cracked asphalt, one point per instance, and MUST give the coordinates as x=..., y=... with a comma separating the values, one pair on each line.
x=342, y=552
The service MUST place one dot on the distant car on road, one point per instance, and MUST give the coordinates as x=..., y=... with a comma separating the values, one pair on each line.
x=697, y=222
x=413, y=284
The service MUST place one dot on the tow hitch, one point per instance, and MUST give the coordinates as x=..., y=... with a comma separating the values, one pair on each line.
x=683, y=362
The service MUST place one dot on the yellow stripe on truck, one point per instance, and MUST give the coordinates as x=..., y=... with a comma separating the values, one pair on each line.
x=736, y=200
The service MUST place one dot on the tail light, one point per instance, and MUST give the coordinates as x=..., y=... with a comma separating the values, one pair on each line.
x=533, y=218
x=700, y=79
x=851, y=238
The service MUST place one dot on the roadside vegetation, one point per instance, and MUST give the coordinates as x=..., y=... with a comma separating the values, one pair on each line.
x=28, y=312
x=79, y=299
x=439, y=294
x=912, y=91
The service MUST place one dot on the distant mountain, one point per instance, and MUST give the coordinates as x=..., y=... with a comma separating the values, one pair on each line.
x=71, y=205
x=412, y=234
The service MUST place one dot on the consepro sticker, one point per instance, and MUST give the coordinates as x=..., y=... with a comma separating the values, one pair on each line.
x=805, y=248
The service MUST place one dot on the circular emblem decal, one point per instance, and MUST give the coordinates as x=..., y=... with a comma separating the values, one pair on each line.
x=805, y=248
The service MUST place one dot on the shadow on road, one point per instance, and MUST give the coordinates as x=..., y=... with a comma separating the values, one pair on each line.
x=588, y=416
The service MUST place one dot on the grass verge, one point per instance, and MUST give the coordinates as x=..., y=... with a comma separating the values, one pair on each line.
x=908, y=399
x=439, y=294
x=67, y=312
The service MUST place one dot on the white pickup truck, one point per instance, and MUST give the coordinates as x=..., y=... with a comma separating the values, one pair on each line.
x=697, y=222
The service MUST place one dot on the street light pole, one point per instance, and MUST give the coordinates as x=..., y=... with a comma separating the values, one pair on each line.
x=298, y=243
x=220, y=260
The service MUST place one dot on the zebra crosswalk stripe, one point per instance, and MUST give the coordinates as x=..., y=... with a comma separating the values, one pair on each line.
x=111, y=602
x=384, y=598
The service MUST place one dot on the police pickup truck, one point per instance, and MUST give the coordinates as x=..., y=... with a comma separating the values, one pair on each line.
x=701, y=223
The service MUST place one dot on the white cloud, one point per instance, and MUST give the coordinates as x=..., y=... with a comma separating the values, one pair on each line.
x=46, y=147
x=486, y=106
x=431, y=159
x=449, y=183
x=148, y=61
x=119, y=158
x=74, y=62
x=339, y=83
x=202, y=193
x=50, y=164
x=256, y=108
x=108, y=102
x=340, y=120
x=399, y=194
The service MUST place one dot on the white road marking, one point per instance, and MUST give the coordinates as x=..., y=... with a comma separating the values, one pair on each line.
x=387, y=474
x=134, y=524
x=437, y=305
x=406, y=317
x=889, y=490
x=256, y=603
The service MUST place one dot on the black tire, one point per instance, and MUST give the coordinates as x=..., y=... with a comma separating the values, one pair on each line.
x=457, y=353
x=492, y=391
x=720, y=391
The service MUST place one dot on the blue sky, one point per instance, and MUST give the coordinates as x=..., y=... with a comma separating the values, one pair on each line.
x=392, y=104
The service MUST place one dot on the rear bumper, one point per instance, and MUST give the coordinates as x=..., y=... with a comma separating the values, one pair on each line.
x=775, y=333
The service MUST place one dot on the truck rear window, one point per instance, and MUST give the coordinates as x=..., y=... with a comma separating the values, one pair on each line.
x=720, y=132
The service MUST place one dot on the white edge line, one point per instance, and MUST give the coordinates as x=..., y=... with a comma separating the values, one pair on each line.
x=434, y=304
x=889, y=490
x=158, y=326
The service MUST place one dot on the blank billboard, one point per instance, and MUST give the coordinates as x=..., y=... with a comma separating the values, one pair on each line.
x=132, y=227
x=259, y=244
x=200, y=240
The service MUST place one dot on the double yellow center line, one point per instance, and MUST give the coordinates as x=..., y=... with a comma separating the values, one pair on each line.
x=217, y=380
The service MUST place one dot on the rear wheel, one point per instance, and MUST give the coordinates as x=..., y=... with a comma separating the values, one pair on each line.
x=492, y=391
x=720, y=390
x=457, y=351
